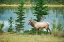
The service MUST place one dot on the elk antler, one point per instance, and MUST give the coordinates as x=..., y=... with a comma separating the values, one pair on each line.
x=31, y=18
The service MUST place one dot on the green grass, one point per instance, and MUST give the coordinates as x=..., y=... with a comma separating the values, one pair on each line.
x=7, y=37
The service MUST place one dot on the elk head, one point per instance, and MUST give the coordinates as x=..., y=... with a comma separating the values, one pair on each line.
x=30, y=21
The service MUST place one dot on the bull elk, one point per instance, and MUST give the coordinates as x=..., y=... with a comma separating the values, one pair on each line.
x=39, y=25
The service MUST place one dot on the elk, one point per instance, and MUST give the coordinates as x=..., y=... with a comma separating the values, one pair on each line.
x=39, y=25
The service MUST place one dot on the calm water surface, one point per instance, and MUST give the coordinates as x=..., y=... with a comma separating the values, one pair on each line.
x=56, y=13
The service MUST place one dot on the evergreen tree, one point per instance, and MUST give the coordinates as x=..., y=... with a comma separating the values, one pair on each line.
x=1, y=26
x=10, y=20
x=20, y=17
x=40, y=9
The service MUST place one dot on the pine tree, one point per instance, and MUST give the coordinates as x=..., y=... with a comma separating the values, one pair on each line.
x=40, y=9
x=10, y=20
x=20, y=17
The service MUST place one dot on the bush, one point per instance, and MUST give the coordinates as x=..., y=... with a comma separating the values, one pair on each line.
x=26, y=32
x=1, y=26
x=57, y=29
x=34, y=31
x=57, y=33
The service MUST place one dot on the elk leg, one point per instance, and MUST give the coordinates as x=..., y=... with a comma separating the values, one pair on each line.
x=38, y=31
x=47, y=31
x=50, y=31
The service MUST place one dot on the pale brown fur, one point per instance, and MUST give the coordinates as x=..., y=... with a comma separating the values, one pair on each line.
x=39, y=25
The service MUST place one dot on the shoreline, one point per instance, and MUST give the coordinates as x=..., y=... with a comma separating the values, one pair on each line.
x=15, y=5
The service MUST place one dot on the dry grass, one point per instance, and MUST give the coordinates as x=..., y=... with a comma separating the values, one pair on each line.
x=15, y=5
x=31, y=5
x=54, y=5
x=7, y=37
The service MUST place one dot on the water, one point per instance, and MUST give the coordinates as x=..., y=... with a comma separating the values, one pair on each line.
x=54, y=13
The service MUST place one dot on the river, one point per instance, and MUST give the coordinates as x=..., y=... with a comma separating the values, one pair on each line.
x=56, y=13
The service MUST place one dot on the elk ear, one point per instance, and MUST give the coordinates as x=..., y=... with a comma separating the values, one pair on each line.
x=29, y=20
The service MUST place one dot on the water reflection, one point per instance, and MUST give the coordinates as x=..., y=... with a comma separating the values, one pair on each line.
x=58, y=11
x=54, y=13
x=1, y=11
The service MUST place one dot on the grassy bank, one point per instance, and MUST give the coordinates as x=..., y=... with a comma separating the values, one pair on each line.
x=31, y=5
x=7, y=37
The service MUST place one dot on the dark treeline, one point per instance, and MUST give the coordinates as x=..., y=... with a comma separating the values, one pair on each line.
x=30, y=1
x=15, y=1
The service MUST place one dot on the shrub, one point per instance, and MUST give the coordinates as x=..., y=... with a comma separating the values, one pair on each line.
x=34, y=31
x=57, y=28
x=1, y=26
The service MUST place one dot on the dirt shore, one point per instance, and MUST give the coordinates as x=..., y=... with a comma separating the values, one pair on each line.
x=32, y=5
